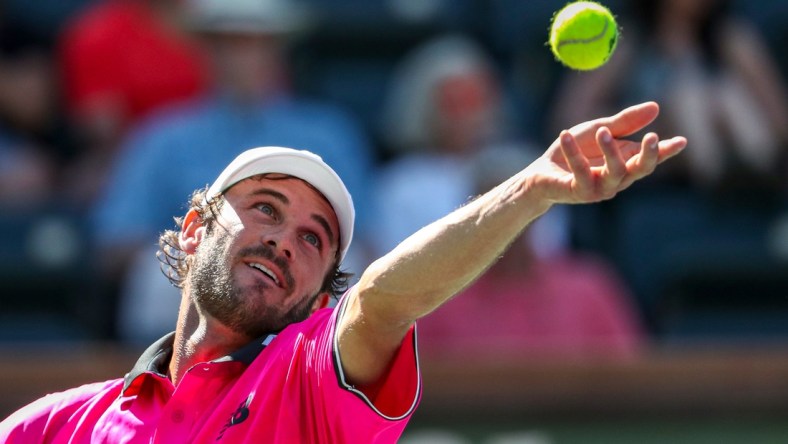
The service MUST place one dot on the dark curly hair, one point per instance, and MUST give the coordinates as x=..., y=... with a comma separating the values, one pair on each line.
x=175, y=264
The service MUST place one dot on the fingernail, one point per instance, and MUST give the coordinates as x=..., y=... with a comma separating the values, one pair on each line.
x=566, y=138
x=653, y=145
x=607, y=137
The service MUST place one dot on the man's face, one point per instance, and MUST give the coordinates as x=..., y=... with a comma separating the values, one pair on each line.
x=266, y=258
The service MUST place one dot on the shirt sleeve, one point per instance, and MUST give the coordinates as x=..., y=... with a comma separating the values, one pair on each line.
x=41, y=420
x=399, y=391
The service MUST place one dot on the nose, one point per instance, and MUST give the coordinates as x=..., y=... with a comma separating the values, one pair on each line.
x=280, y=245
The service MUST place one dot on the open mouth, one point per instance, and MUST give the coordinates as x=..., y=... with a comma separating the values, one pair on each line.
x=266, y=271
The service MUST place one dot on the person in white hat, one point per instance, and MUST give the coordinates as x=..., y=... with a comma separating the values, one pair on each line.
x=256, y=357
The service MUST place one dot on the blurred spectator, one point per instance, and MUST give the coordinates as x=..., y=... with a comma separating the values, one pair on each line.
x=445, y=103
x=173, y=152
x=716, y=82
x=40, y=234
x=120, y=61
x=28, y=119
x=555, y=304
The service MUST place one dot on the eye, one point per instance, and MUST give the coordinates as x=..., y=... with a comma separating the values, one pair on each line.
x=266, y=209
x=312, y=239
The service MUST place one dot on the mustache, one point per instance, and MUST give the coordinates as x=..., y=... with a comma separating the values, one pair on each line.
x=267, y=252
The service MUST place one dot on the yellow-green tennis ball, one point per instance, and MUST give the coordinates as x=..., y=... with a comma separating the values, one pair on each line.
x=583, y=35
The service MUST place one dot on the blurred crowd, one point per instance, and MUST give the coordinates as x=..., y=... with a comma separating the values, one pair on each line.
x=113, y=111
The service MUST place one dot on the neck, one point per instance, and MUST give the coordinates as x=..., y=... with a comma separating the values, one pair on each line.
x=199, y=338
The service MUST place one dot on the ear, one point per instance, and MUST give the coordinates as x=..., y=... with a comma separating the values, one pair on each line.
x=321, y=301
x=192, y=232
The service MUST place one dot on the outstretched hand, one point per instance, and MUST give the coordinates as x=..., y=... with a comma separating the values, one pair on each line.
x=591, y=162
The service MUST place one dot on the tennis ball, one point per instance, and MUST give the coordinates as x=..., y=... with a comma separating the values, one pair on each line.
x=583, y=35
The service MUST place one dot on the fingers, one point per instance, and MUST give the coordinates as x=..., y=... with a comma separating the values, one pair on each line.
x=652, y=153
x=594, y=182
x=614, y=163
x=602, y=163
x=625, y=123
x=632, y=119
x=605, y=180
x=670, y=147
x=577, y=162
x=644, y=163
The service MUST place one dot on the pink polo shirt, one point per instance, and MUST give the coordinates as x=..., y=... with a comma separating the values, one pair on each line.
x=284, y=389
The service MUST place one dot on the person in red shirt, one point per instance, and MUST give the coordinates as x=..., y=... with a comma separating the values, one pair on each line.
x=121, y=60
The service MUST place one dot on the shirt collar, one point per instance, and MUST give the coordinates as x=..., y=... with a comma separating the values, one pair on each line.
x=156, y=358
x=249, y=352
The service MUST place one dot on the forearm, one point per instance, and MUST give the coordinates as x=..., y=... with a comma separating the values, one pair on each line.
x=441, y=259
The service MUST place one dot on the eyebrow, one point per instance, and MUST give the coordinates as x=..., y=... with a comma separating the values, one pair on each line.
x=282, y=198
x=275, y=194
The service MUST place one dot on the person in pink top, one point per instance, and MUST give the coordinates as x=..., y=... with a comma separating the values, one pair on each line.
x=257, y=355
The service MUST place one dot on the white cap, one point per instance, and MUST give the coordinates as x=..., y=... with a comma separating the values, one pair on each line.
x=246, y=16
x=304, y=165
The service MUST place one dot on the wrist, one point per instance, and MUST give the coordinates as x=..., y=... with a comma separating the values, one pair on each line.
x=532, y=196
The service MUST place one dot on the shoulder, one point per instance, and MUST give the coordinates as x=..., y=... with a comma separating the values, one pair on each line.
x=316, y=327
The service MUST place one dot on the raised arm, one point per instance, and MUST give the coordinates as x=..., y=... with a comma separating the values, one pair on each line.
x=588, y=163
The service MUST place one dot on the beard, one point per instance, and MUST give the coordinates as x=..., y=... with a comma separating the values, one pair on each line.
x=243, y=310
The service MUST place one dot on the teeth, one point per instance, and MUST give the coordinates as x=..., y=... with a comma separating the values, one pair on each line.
x=265, y=270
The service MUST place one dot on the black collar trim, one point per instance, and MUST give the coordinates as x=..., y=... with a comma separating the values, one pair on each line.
x=248, y=353
x=156, y=358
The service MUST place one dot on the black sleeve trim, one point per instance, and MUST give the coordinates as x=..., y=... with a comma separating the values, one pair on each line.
x=341, y=375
